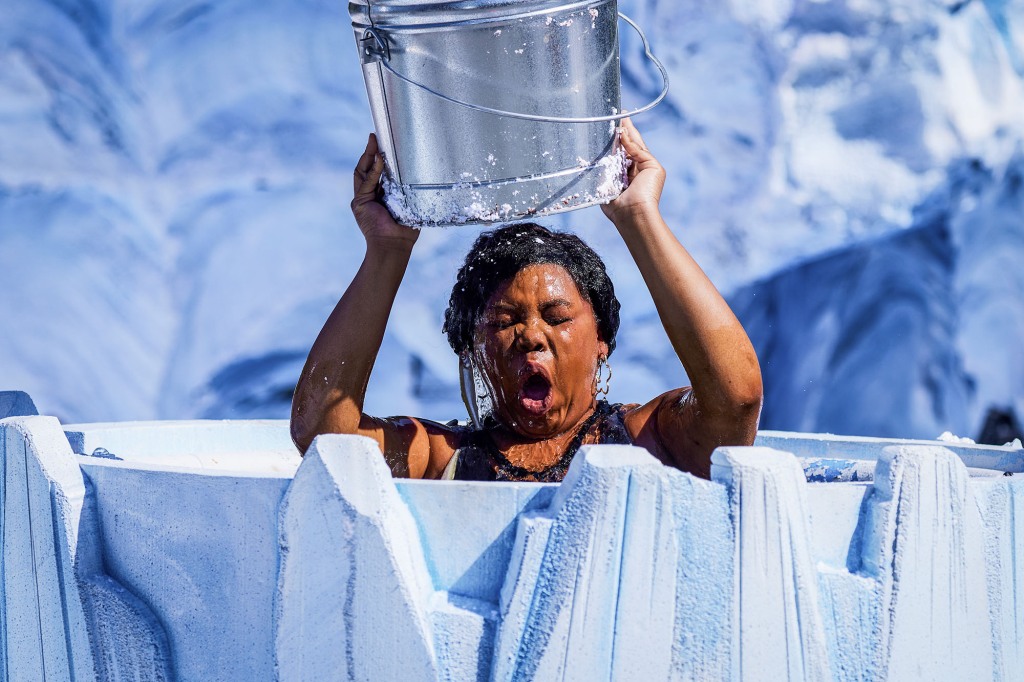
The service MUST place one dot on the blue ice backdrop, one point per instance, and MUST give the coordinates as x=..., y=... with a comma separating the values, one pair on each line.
x=175, y=178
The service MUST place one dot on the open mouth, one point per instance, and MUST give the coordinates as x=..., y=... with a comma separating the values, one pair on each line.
x=535, y=394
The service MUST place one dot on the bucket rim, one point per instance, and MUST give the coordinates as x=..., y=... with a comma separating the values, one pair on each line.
x=433, y=15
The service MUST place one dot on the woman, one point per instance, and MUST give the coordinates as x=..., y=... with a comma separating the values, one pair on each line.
x=537, y=337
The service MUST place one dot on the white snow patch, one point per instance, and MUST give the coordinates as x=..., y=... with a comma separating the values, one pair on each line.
x=948, y=437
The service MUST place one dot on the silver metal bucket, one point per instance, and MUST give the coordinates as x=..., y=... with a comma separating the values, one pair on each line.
x=494, y=110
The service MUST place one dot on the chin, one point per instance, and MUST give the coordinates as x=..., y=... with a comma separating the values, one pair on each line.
x=538, y=427
x=524, y=422
x=550, y=422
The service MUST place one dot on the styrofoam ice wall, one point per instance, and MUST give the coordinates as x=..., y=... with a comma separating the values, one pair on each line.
x=627, y=570
x=63, y=617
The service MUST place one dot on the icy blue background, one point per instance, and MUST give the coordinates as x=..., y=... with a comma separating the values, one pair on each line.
x=175, y=178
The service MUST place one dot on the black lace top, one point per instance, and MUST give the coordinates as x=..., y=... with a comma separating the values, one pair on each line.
x=478, y=459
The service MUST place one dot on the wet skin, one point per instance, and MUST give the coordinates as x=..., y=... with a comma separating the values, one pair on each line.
x=539, y=346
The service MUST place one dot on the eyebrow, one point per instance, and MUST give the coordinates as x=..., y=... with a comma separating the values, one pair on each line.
x=554, y=303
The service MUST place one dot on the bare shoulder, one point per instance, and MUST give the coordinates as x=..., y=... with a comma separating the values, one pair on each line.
x=675, y=430
x=414, y=447
x=643, y=423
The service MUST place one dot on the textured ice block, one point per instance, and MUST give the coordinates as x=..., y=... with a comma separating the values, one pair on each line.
x=226, y=567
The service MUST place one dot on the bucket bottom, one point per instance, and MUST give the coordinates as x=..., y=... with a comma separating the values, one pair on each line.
x=499, y=201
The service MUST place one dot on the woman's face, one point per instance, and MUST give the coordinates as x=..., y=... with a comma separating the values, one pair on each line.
x=538, y=344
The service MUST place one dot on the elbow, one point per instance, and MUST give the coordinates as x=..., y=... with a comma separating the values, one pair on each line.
x=749, y=396
x=303, y=427
x=745, y=401
x=748, y=416
x=736, y=407
x=340, y=416
x=746, y=390
x=301, y=436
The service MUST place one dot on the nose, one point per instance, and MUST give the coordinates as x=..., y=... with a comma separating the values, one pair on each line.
x=530, y=336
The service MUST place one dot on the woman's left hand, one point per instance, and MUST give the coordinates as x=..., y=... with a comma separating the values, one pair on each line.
x=646, y=178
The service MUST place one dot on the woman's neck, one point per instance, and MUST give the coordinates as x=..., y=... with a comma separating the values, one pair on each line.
x=536, y=454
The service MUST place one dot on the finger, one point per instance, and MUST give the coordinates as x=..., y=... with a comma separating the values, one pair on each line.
x=631, y=140
x=636, y=150
x=371, y=180
x=631, y=170
x=365, y=163
x=627, y=123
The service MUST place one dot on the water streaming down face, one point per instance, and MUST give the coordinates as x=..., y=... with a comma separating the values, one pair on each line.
x=536, y=345
x=477, y=389
x=569, y=305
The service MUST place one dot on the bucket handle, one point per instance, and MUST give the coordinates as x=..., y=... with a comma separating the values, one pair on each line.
x=379, y=53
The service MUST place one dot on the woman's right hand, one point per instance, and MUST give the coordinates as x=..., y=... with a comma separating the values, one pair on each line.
x=372, y=216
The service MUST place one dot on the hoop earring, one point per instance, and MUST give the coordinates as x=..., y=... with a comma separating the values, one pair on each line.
x=598, y=389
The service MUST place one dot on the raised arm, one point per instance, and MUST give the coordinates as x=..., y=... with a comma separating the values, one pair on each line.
x=684, y=426
x=329, y=395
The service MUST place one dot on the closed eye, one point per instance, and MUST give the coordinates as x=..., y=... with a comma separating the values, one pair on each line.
x=502, y=321
x=557, y=312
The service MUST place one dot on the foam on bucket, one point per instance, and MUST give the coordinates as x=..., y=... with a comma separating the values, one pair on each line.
x=465, y=202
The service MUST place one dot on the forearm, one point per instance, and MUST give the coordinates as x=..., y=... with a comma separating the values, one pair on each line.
x=330, y=393
x=708, y=339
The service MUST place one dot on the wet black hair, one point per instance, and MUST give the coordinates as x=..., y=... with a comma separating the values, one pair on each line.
x=499, y=254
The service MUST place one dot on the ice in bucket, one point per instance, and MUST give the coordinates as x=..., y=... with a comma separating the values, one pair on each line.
x=493, y=110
